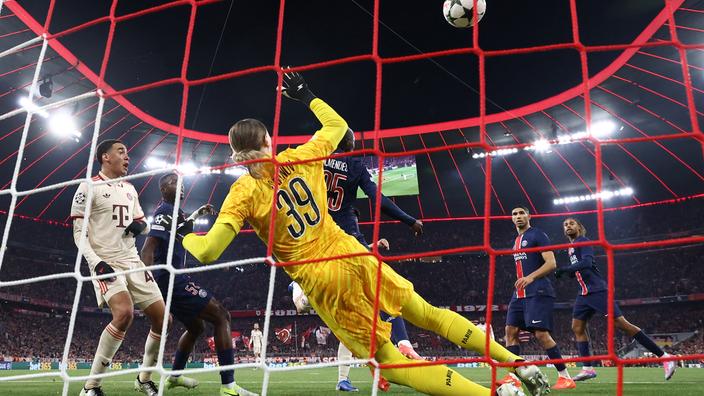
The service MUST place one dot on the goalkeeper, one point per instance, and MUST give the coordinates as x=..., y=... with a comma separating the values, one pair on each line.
x=342, y=291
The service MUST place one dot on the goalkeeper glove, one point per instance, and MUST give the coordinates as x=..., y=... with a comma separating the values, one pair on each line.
x=295, y=87
x=135, y=228
x=103, y=268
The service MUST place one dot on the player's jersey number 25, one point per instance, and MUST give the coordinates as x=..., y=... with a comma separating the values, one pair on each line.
x=336, y=193
x=300, y=206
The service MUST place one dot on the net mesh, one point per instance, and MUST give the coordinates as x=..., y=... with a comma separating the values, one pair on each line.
x=103, y=92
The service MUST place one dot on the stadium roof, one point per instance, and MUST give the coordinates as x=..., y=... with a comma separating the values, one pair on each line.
x=636, y=91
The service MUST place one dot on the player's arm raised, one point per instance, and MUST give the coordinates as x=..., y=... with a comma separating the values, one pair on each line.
x=326, y=139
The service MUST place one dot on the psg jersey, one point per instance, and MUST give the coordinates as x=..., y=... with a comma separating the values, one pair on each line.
x=588, y=277
x=526, y=263
x=159, y=230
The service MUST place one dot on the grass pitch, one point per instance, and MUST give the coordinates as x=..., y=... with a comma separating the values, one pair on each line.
x=400, y=181
x=637, y=382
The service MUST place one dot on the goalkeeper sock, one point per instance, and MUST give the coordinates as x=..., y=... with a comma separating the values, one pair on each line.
x=110, y=341
x=343, y=370
x=151, y=352
x=432, y=380
x=453, y=327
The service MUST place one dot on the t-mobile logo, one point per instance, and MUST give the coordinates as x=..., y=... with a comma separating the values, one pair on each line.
x=120, y=213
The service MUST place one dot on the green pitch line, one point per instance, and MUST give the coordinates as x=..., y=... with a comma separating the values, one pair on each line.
x=637, y=382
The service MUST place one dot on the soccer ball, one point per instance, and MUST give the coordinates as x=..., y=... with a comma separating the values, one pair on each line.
x=459, y=14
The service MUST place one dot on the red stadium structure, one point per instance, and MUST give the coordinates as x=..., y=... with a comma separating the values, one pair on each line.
x=672, y=40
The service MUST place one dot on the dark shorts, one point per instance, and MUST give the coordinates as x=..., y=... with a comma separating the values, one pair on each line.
x=188, y=300
x=586, y=306
x=531, y=313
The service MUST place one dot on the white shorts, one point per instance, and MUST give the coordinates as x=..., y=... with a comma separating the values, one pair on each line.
x=257, y=349
x=140, y=285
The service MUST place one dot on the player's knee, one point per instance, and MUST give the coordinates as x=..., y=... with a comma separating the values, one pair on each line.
x=511, y=333
x=578, y=328
x=543, y=337
x=223, y=314
x=122, y=318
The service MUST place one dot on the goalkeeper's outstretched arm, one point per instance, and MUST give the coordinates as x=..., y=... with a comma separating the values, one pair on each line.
x=209, y=247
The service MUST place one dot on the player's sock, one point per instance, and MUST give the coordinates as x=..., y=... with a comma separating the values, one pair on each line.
x=110, y=341
x=648, y=343
x=225, y=358
x=515, y=349
x=453, y=327
x=180, y=360
x=343, y=370
x=583, y=348
x=151, y=352
x=398, y=328
x=432, y=380
x=554, y=353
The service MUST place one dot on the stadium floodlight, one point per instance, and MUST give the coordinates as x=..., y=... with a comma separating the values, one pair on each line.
x=236, y=171
x=28, y=105
x=604, y=195
x=499, y=152
x=602, y=128
x=155, y=163
x=541, y=146
x=188, y=169
x=62, y=124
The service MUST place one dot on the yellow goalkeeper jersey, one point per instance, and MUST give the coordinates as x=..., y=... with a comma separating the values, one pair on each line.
x=302, y=226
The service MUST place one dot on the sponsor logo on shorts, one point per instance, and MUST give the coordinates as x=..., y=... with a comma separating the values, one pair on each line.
x=202, y=293
x=466, y=336
x=535, y=321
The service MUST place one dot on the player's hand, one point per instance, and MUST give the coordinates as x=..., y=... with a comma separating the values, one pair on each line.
x=295, y=87
x=523, y=282
x=383, y=243
x=205, y=210
x=103, y=268
x=182, y=229
x=417, y=228
x=135, y=228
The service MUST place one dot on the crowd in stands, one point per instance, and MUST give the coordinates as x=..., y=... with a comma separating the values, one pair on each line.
x=30, y=328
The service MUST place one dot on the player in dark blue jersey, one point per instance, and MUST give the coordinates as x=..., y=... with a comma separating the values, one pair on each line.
x=191, y=304
x=532, y=303
x=343, y=176
x=592, y=298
